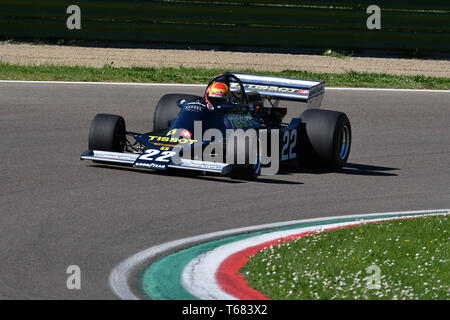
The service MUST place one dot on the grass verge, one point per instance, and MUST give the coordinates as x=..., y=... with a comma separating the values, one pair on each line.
x=202, y=75
x=412, y=257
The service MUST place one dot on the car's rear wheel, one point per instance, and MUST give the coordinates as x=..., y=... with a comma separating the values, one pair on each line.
x=107, y=133
x=325, y=139
x=167, y=109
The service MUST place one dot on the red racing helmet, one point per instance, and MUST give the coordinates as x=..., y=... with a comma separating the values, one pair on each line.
x=218, y=93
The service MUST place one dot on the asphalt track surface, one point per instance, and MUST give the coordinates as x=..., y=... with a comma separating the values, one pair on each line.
x=58, y=211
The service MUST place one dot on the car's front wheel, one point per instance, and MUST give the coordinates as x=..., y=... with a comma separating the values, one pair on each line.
x=246, y=171
x=107, y=133
x=246, y=161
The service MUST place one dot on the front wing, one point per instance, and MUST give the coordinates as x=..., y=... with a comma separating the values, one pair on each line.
x=131, y=160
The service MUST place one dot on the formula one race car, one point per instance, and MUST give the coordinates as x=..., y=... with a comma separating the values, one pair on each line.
x=234, y=116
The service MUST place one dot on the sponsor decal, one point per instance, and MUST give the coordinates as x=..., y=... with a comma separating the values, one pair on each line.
x=168, y=146
x=149, y=165
x=185, y=133
x=194, y=106
x=171, y=132
x=200, y=165
x=259, y=87
x=236, y=121
x=154, y=159
x=115, y=156
x=154, y=139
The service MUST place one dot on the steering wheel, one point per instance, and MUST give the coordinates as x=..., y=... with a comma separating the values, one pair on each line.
x=228, y=76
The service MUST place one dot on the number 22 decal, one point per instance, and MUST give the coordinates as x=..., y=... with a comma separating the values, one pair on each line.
x=150, y=153
x=289, y=144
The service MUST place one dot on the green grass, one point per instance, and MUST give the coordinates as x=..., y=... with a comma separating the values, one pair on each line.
x=202, y=75
x=412, y=257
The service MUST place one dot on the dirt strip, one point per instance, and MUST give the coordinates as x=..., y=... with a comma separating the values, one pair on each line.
x=31, y=54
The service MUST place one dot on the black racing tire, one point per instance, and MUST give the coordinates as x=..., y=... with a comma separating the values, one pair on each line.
x=325, y=139
x=245, y=171
x=107, y=133
x=250, y=167
x=167, y=109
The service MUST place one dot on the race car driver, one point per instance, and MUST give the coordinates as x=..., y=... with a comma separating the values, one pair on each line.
x=218, y=94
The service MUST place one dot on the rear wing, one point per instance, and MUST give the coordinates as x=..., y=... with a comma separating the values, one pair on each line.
x=279, y=88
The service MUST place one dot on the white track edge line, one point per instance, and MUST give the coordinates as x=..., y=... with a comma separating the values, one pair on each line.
x=201, y=85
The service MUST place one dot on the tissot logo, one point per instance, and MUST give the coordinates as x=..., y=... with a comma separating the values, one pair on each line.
x=267, y=88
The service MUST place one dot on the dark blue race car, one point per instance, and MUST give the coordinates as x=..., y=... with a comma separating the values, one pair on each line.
x=242, y=137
